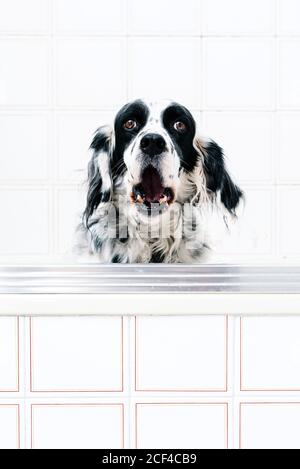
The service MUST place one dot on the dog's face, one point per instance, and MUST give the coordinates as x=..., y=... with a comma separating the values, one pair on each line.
x=156, y=143
x=154, y=152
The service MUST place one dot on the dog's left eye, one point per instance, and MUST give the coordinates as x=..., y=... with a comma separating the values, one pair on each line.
x=130, y=124
x=179, y=126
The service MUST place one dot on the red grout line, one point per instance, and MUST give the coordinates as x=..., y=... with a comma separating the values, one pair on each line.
x=241, y=356
x=19, y=428
x=18, y=354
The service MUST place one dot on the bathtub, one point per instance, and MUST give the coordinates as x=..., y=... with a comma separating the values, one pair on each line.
x=150, y=356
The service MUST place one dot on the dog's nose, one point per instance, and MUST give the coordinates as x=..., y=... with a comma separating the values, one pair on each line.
x=153, y=144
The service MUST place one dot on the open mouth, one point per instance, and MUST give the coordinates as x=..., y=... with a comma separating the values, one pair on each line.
x=150, y=195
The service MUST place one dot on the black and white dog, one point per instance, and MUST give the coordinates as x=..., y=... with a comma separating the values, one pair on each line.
x=152, y=184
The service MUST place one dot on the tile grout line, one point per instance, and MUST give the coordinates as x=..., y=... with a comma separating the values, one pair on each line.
x=276, y=137
x=130, y=437
x=24, y=363
x=53, y=222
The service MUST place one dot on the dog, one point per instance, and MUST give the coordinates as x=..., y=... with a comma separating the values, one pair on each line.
x=153, y=183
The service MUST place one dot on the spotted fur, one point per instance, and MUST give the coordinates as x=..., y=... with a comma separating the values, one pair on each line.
x=115, y=227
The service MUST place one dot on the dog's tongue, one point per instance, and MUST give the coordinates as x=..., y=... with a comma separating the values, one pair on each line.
x=152, y=185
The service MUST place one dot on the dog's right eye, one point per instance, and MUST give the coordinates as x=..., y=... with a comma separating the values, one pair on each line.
x=130, y=124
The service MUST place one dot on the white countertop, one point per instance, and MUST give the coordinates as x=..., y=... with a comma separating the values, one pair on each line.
x=151, y=278
x=149, y=289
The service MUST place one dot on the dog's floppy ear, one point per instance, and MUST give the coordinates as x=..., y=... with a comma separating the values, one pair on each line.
x=217, y=177
x=99, y=171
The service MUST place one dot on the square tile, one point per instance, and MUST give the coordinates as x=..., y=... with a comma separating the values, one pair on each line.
x=32, y=16
x=236, y=17
x=184, y=17
x=247, y=140
x=194, y=358
x=252, y=234
x=29, y=159
x=289, y=162
x=181, y=425
x=75, y=134
x=288, y=17
x=84, y=426
x=77, y=354
x=24, y=72
x=25, y=212
x=288, y=227
x=9, y=426
x=179, y=83
x=86, y=74
x=9, y=354
x=238, y=73
x=90, y=16
x=270, y=353
x=70, y=205
x=269, y=425
x=289, y=78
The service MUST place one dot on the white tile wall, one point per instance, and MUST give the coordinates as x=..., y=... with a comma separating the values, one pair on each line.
x=272, y=425
x=83, y=79
x=181, y=425
x=152, y=21
x=110, y=382
x=76, y=425
x=25, y=213
x=270, y=353
x=9, y=426
x=17, y=16
x=9, y=356
x=68, y=354
x=25, y=72
x=69, y=206
x=289, y=164
x=253, y=234
x=289, y=87
x=193, y=358
x=74, y=134
x=66, y=66
x=247, y=140
x=28, y=157
x=165, y=52
x=89, y=17
x=289, y=12
x=234, y=17
x=288, y=203
x=238, y=73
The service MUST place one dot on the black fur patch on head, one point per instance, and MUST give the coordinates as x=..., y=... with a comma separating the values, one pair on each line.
x=182, y=141
x=217, y=177
x=136, y=111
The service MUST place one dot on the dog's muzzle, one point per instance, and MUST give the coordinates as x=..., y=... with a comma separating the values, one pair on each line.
x=150, y=195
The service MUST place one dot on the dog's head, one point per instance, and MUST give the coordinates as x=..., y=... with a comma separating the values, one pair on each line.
x=154, y=153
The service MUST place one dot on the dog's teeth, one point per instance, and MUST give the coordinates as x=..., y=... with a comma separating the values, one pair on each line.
x=139, y=199
x=163, y=200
